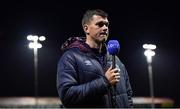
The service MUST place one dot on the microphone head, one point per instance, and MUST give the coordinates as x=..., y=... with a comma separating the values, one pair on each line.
x=113, y=47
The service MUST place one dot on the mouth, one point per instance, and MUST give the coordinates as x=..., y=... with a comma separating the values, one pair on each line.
x=104, y=34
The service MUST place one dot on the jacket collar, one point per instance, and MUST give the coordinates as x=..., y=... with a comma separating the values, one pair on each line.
x=79, y=42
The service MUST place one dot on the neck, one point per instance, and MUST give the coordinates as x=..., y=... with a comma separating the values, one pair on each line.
x=94, y=44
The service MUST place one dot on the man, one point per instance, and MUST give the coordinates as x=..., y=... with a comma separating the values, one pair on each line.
x=85, y=77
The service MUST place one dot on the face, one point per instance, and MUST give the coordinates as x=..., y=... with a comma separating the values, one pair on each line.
x=97, y=29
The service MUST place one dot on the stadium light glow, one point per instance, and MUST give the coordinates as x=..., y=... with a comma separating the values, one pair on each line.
x=35, y=45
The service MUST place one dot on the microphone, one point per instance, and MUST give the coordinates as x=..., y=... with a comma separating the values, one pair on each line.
x=113, y=49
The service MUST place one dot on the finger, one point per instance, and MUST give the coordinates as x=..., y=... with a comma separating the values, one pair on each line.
x=117, y=77
x=112, y=74
x=115, y=70
x=117, y=80
x=117, y=74
x=110, y=68
x=114, y=81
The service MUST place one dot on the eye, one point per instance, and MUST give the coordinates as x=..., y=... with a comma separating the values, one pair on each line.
x=101, y=24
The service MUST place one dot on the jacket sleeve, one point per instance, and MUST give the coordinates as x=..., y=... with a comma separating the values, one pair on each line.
x=70, y=91
x=129, y=90
x=128, y=85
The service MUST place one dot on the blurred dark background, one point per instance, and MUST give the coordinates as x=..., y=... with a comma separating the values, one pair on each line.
x=132, y=23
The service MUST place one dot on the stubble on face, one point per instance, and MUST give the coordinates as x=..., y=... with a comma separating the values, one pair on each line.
x=99, y=28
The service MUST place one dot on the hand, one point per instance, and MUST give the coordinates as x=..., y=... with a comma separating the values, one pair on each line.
x=113, y=75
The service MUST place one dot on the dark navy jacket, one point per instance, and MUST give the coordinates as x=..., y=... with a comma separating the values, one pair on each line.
x=81, y=81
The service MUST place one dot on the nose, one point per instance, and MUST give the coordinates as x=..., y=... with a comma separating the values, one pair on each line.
x=105, y=28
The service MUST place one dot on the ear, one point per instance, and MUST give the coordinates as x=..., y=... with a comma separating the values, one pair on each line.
x=85, y=27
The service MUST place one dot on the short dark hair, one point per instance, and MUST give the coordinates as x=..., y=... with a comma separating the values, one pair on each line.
x=89, y=13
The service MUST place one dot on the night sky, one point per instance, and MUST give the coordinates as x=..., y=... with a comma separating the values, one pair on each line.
x=131, y=23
